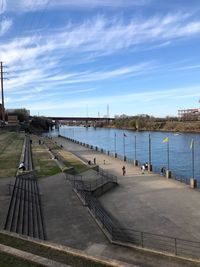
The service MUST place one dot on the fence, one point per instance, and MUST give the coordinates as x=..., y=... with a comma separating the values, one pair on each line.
x=162, y=243
x=80, y=184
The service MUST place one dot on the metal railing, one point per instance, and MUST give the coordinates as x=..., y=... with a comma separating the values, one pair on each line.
x=127, y=236
x=84, y=185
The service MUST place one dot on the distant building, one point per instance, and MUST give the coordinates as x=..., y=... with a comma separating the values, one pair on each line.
x=192, y=114
x=13, y=120
x=21, y=113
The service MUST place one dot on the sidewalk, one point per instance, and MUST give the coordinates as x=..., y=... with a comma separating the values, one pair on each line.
x=146, y=202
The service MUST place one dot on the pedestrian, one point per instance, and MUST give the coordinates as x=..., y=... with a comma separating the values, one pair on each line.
x=143, y=168
x=104, y=162
x=146, y=166
x=95, y=161
x=162, y=171
x=22, y=166
x=123, y=170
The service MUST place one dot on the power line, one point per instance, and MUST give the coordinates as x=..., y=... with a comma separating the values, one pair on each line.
x=2, y=93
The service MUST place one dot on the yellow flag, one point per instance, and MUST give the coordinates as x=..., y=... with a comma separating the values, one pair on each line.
x=166, y=140
x=192, y=143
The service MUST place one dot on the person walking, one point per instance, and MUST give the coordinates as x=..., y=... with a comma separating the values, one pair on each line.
x=123, y=170
x=95, y=161
x=143, y=168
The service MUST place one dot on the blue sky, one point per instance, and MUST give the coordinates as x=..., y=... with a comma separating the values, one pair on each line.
x=73, y=58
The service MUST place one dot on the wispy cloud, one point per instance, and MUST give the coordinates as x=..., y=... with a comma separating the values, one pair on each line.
x=5, y=25
x=30, y=5
x=141, y=98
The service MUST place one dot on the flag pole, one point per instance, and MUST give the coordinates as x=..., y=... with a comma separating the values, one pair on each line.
x=124, y=145
x=193, y=160
x=168, y=154
x=149, y=149
x=135, y=147
x=115, y=146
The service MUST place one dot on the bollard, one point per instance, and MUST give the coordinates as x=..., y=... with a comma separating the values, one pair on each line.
x=115, y=155
x=135, y=162
x=150, y=167
x=124, y=158
x=193, y=183
x=168, y=174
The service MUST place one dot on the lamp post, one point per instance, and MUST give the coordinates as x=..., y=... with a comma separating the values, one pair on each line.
x=115, y=145
x=135, y=162
x=149, y=165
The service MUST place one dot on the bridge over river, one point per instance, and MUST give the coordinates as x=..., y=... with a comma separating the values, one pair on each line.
x=81, y=119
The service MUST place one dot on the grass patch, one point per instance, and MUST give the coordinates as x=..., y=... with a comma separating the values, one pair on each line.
x=11, y=144
x=69, y=159
x=42, y=162
x=7, y=260
x=49, y=253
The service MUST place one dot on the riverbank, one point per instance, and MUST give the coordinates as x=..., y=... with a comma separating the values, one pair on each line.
x=164, y=126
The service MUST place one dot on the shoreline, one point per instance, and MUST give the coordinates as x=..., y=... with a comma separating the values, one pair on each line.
x=150, y=130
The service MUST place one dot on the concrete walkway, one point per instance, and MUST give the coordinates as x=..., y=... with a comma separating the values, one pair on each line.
x=69, y=223
x=146, y=202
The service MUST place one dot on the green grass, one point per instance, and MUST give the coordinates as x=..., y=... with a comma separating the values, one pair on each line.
x=42, y=162
x=7, y=260
x=11, y=144
x=47, y=252
x=69, y=159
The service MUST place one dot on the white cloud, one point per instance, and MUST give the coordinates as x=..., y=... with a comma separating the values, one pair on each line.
x=37, y=60
x=3, y=5
x=140, y=98
x=5, y=26
x=30, y=5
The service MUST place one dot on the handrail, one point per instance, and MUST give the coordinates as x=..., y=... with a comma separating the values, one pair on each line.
x=163, y=243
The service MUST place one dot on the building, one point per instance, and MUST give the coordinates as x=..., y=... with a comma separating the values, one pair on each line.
x=192, y=114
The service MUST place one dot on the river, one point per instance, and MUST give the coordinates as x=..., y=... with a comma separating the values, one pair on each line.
x=180, y=153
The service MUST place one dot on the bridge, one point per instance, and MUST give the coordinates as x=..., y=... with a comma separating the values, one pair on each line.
x=86, y=119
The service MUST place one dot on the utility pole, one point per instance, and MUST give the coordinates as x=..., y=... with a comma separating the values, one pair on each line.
x=2, y=96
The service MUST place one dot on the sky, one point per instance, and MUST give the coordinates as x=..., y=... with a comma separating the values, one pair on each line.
x=74, y=58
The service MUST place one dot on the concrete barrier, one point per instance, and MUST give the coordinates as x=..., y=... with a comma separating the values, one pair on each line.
x=193, y=183
x=168, y=174
x=150, y=167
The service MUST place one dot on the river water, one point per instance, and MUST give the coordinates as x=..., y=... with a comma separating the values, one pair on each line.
x=120, y=141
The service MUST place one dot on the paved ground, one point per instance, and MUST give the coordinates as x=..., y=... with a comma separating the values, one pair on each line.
x=143, y=201
x=147, y=202
x=68, y=222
